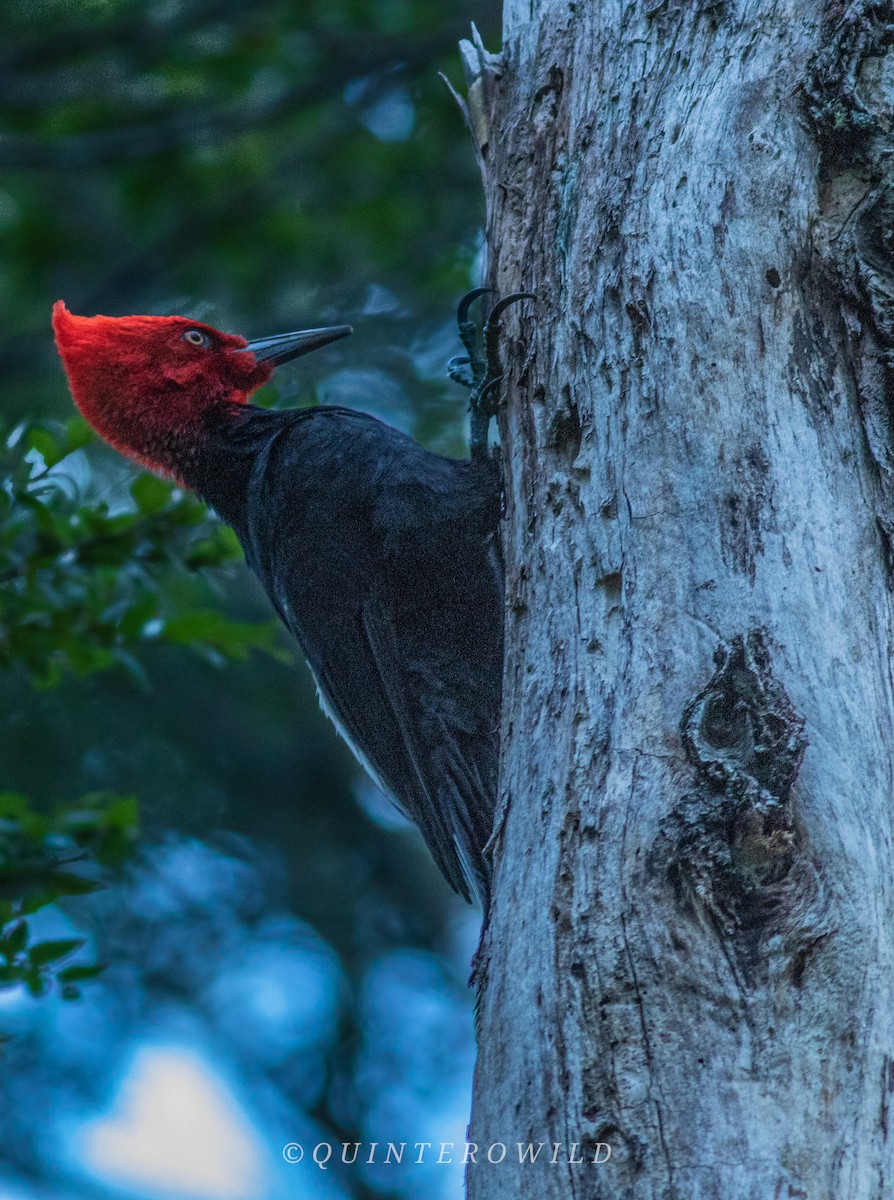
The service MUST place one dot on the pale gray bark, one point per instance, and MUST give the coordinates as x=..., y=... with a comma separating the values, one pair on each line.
x=690, y=954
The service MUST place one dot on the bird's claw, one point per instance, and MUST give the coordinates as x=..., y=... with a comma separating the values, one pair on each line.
x=494, y=327
x=500, y=307
x=462, y=309
x=481, y=372
x=459, y=370
x=468, y=335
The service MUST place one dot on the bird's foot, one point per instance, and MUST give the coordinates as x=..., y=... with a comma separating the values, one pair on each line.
x=481, y=369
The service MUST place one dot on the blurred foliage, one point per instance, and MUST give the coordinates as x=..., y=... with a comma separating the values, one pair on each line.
x=262, y=167
x=42, y=859
x=83, y=588
x=82, y=591
x=255, y=165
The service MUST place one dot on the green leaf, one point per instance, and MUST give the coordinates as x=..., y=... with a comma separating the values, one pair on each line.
x=41, y=440
x=211, y=628
x=221, y=547
x=152, y=495
x=77, y=974
x=16, y=940
x=78, y=434
x=67, y=884
x=55, y=445
x=13, y=805
x=34, y=899
x=35, y=983
x=43, y=953
x=137, y=615
x=122, y=814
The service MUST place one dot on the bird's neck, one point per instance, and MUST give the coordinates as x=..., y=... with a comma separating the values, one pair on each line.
x=221, y=459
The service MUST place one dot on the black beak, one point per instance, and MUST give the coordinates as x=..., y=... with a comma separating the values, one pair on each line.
x=286, y=346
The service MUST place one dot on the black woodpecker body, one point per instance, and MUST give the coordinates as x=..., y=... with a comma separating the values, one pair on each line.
x=381, y=557
x=383, y=560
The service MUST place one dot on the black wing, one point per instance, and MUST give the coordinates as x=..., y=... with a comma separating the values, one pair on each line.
x=383, y=561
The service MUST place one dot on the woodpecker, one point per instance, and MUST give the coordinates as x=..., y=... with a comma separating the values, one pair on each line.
x=381, y=557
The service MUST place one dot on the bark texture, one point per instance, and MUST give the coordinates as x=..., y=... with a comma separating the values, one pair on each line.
x=691, y=950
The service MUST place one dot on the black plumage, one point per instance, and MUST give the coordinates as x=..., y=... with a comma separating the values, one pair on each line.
x=383, y=560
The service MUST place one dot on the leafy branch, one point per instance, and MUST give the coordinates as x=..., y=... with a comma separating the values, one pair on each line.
x=84, y=588
x=43, y=859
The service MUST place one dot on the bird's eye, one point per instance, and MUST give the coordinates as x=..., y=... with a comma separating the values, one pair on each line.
x=195, y=337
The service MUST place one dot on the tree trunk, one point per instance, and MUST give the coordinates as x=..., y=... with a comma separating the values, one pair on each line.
x=690, y=955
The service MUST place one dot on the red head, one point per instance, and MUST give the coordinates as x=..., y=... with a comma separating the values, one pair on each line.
x=145, y=384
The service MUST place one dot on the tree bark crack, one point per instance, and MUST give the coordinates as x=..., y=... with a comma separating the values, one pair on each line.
x=647, y=1052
